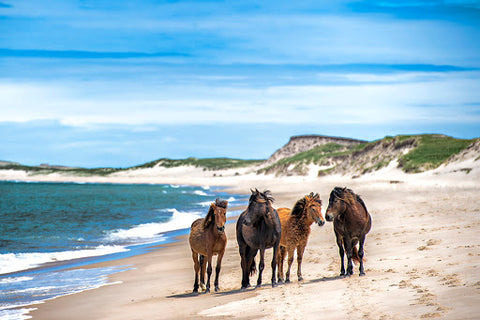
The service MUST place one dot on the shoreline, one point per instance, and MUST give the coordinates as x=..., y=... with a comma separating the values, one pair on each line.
x=421, y=257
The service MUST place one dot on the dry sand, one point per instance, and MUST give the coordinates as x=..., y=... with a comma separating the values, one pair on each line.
x=422, y=257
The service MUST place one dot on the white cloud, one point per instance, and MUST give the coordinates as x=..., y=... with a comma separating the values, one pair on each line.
x=387, y=100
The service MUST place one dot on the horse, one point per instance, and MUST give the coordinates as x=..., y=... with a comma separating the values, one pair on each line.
x=207, y=238
x=351, y=223
x=295, y=231
x=258, y=228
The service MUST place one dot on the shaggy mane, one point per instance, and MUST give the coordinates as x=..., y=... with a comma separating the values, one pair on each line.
x=299, y=207
x=211, y=215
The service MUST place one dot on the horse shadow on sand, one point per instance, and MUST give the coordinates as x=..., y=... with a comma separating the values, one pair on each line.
x=221, y=293
x=251, y=289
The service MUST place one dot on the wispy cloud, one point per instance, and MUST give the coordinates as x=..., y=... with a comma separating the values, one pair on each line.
x=76, y=54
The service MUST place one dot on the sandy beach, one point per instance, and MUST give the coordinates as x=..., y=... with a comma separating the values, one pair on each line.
x=421, y=261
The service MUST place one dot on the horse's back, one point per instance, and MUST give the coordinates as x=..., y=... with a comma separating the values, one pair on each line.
x=357, y=221
x=197, y=236
x=283, y=215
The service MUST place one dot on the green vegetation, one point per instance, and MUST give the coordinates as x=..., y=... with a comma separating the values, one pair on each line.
x=431, y=151
x=73, y=171
x=208, y=163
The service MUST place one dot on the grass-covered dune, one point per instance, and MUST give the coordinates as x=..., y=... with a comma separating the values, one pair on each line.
x=415, y=153
x=207, y=164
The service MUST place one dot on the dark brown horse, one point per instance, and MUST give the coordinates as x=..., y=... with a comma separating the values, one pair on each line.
x=295, y=231
x=258, y=228
x=207, y=238
x=351, y=223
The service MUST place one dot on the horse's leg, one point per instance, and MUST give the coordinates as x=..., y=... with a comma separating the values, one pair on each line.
x=209, y=270
x=247, y=255
x=203, y=267
x=300, y=251
x=280, y=258
x=348, y=243
x=196, y=266
x=360, y=255
x=290, y=252
x=274, y=263
x=261, y=266
x=217, y=270
x=341, y=252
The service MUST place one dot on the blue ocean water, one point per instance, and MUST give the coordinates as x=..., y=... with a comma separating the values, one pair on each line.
x=51, y=222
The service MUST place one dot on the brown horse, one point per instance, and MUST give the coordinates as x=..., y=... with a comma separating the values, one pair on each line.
x=295, y=231
x=258, y=228
x=351, y=223
x=207, y=238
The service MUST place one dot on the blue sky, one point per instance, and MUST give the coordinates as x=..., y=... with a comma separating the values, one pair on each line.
x=120, y=83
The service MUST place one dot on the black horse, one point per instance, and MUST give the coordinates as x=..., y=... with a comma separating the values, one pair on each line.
x=258, y=228
x=351, y=223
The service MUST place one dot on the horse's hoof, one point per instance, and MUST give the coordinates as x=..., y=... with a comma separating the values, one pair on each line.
x=287, y=280
x=258, y=286
x=300, y=279
x=207, y=290
x=361, y=274
x=195, y=291
x=217, y=289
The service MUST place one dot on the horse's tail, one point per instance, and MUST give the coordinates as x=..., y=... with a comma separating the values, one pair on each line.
x=355, y=256
x=253, y=268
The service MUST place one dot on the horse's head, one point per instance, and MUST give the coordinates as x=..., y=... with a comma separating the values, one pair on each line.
x=259, y=204
x=218, y=211
x=313, y=208
x=337, y=203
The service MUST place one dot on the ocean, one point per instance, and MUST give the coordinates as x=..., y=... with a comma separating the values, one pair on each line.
x=46, y=229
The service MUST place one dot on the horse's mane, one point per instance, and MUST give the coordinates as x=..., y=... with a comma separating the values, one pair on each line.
x=299, y=207
x=348, y=196
x=211, y=214
x=257, y=196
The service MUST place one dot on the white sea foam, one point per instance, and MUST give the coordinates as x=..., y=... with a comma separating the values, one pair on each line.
x=16, y=314
x=200, y=193
x=179, y=220
x=11, y=262
x=205, y=203
x=208, y=203
x=15, y=279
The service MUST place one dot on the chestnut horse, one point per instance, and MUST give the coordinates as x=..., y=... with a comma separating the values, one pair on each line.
x=207, y=238
x=258, y=228
x=295, y=231
x=351, y=223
